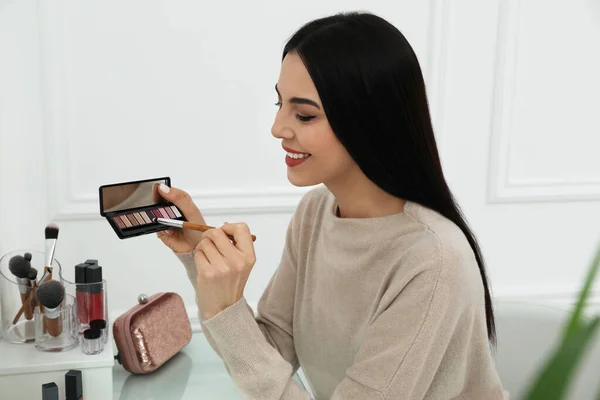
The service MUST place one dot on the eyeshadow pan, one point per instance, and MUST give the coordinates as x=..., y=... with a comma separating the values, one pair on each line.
x=125, y=221
x=132, y=220
x=169, y=212
x=163, y=212
x=176, y=211
x=145, y=217
x=150, y=215
x=118, y=221
x=157, y=214
x=139, y=218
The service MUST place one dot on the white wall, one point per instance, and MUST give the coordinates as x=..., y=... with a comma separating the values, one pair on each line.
x=93, y=93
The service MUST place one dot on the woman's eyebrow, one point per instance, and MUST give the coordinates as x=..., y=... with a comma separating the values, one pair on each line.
x=300, y=100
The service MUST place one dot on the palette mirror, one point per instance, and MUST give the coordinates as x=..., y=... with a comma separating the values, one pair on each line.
x=131, y=195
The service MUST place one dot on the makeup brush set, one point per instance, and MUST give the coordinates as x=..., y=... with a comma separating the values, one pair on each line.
x=20, y=267
x=54, y=313
x=30, y=274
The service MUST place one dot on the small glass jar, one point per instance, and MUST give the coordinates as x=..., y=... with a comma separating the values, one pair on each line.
x=57, y=329
x=92, y=342
x=100, y=325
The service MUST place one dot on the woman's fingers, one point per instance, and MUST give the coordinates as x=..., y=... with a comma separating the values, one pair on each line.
x=210, y=250
x=165, y=236
x=243, y=239
x=222, y=243
x=183, y=201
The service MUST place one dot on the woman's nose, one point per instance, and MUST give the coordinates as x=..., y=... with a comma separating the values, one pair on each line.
x=279, y=129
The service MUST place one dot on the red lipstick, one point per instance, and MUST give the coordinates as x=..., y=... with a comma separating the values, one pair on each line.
x=292, y=162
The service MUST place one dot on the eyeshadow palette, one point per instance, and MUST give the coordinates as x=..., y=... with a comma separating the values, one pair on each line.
x=130, y=207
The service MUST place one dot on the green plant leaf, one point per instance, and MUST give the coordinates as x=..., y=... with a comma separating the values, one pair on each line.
x=576, y=315
x=553, y=381
x=554, y=378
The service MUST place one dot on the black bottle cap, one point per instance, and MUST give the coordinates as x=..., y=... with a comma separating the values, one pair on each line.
x=92, y=333
x=49, y=391
x=80, y=273
x=91, y=262
x=73, y=385
x=98, y=324
x=93, y=274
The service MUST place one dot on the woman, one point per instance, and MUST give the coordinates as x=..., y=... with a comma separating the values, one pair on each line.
x=381, y=292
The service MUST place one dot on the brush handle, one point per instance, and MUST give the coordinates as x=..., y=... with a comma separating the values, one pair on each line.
x=26, y=302
x=31, y=297
x=23, y=307
x=204, y=228
x=54, y=325
x=48, y=271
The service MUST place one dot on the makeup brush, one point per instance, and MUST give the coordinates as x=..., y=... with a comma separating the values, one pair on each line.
x=188, y=225
x=32, y=276
x=50, y=294
x=20, y=267
x=51, y=234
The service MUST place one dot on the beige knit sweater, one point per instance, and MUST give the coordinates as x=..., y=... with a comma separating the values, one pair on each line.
x=375, y=308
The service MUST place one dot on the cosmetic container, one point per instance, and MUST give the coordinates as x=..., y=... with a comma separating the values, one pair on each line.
x=46, y=321
x=14, y=292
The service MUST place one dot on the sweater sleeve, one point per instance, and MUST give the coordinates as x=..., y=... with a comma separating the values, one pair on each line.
x=269, y=333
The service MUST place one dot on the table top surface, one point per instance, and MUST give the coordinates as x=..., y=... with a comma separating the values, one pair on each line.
x=196, y=372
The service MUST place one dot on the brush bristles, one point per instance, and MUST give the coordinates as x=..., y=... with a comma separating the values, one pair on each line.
x=19, y=266
x=50, y=294
x=32, y=274
x=52, y=231
x=28, y=256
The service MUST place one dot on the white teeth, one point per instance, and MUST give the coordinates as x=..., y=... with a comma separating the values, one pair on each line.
x=296, y=155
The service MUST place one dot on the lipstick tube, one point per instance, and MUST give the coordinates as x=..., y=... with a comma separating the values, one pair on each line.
x=49, y=391
x=74, y=385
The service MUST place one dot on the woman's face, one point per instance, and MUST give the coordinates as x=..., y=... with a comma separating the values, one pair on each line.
x=314, y=154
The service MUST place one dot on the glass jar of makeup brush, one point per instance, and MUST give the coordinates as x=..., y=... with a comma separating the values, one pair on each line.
x=20, y=272
x=57, y=329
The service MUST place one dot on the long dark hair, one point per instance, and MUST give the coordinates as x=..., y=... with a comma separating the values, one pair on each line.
x=373, y=93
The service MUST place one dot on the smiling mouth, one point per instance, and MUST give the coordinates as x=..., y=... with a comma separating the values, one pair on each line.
x=297, y=156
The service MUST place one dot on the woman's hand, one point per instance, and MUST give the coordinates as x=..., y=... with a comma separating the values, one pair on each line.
x=223, y=267
x=177, y=239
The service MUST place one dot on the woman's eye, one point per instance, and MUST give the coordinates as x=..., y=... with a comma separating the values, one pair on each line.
x=278, y=104
x=304, y=118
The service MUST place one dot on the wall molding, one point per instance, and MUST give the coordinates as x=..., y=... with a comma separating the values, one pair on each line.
x=65, y=204
x=502, y=186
